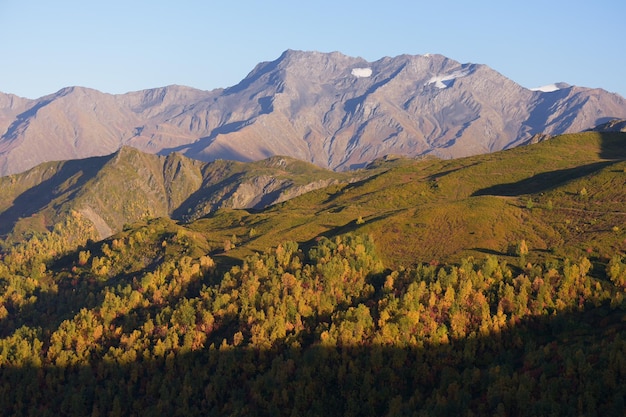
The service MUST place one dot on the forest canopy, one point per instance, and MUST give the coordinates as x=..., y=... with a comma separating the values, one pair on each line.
x=147, y=323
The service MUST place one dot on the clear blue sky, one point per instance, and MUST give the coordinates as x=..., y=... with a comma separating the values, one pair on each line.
x=118, y=46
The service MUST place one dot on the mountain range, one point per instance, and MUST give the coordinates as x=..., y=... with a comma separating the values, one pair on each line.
x=329, y=109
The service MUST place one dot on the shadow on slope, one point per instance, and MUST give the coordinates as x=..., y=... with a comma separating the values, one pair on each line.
x=21, y=120
x=544, y=108
x=613, y=145
x=612, y=149
x=543, y=181
x=66, y=182
x=568, y=364
x=206, y=195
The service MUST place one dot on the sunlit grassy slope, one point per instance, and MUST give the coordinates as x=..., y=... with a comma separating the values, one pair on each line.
x=564, y=197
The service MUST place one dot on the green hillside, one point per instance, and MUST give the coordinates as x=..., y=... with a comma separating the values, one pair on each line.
x=423, y=210
x=490, y=285
x=128, y=186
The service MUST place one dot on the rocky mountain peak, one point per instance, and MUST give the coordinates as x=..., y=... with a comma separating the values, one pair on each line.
x=330, y=109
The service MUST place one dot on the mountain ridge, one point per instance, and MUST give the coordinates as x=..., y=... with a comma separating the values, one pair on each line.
x=333, y=110
x=129, y=185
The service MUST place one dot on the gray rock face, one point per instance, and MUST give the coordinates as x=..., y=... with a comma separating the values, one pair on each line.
x=615, y=125
x=336, y=111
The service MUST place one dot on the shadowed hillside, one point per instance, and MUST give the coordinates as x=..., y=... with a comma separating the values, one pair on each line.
x=536, y=368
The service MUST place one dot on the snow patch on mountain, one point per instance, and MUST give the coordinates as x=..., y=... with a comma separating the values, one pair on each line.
x=362, y=72
x=446, y=80
x=551, y=87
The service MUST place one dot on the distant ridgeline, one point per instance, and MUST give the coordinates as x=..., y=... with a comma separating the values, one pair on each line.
x=336, y=111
